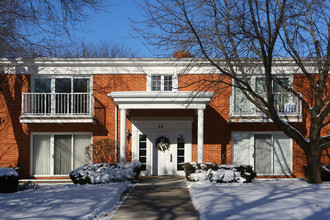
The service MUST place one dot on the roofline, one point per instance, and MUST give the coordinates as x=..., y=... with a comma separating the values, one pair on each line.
x=46, y=61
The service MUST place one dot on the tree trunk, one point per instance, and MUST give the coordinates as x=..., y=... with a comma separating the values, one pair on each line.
x=313, y=165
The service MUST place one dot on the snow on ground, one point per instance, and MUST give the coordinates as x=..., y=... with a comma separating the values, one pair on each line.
x=62, y=201
x=282, y=199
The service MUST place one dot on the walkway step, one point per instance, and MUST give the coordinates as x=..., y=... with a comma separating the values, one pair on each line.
x=161, y=197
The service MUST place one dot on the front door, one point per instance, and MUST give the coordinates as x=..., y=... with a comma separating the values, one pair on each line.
x=164, y=153
x=146, y=134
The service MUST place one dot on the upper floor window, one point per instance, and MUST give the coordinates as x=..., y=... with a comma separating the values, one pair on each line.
x=63, y=95
x=161, y=83
x=61, y=85
x=284, y=101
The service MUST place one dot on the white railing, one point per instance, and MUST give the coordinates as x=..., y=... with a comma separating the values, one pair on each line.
x=286, y=104
x=57, y=104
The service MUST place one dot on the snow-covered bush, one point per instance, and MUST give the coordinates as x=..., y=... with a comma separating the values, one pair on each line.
x=8, y=180
x=325, y=173
x=219, y=173
x=26, y=185
x=105, y=172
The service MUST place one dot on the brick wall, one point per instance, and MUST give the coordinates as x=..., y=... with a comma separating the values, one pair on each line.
x=14, y=138
x=15, y=146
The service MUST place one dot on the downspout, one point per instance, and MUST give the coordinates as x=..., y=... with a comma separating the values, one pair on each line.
x=116, y=133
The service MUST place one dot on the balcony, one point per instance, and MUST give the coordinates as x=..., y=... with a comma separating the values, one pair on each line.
x=57, y=108
x=242, y=110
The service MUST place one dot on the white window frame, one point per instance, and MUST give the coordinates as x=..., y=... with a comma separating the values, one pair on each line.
x=254, y=77
x=252, y=148
x=52, y=78
x=52, y=149
x=236, y=91
x=174, y=82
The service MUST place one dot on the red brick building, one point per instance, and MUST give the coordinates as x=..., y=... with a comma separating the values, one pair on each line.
x=52, y=109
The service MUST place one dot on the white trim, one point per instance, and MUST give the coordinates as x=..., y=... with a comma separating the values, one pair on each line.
x=200, y=135
x=161, y=100
x=52, y=134
x=123, y=135
x=88, y=66
x=36, y=119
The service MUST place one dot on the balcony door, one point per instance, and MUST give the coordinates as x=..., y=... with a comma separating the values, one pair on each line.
x=61, y=95
x=41, y=101
x=269, y=153
x=58, y=154
x=263, y=153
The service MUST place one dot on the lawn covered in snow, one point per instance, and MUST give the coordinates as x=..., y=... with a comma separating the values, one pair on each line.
x=62, y=201
x=283, y=199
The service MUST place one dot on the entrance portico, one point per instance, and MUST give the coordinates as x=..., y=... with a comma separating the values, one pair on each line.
x=161, y=100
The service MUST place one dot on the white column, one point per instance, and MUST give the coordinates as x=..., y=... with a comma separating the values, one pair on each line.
x=200, y=135
x=123, y=135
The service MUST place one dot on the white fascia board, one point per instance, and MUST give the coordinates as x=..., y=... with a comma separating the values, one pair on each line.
x=163, y=94
x=137, y=66
x=56, y=120
x=161, y=106
x=161, y=100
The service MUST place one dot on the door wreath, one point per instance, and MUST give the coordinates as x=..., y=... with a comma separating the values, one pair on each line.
x=162, y=143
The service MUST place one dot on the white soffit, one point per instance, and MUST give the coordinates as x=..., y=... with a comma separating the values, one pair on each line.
x=161, y=100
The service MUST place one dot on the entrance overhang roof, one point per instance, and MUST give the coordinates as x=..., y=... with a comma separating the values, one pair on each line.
x=161, y=99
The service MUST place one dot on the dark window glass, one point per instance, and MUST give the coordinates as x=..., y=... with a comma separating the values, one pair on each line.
x=63, y=85
x=180, y=152
x=143, y=150
x=80, y=85
x=42, y=85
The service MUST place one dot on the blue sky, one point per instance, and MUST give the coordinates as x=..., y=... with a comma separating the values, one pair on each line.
x=114, y=25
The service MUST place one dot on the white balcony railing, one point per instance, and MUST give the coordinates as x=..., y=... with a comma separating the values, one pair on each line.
x=57, y=104
x=286, y=104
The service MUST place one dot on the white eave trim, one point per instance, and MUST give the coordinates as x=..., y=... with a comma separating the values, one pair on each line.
x=161, y=100
x=28, y=120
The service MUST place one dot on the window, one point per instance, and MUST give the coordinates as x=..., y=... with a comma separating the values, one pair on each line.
x=167, y=83
x=61, y=95
x=156, y=83
x=162, y=83
x=42, y=98
x=180, y=153
x=283, y=99
x=58, y=154
x=268, y=153
x=143, y=151
x=42, y=85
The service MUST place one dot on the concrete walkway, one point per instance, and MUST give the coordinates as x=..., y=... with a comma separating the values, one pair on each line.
x=161, y=197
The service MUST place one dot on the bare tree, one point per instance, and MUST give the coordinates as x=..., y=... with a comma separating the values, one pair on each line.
x=240, y=37
x=28, y=27
x=101, y=49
